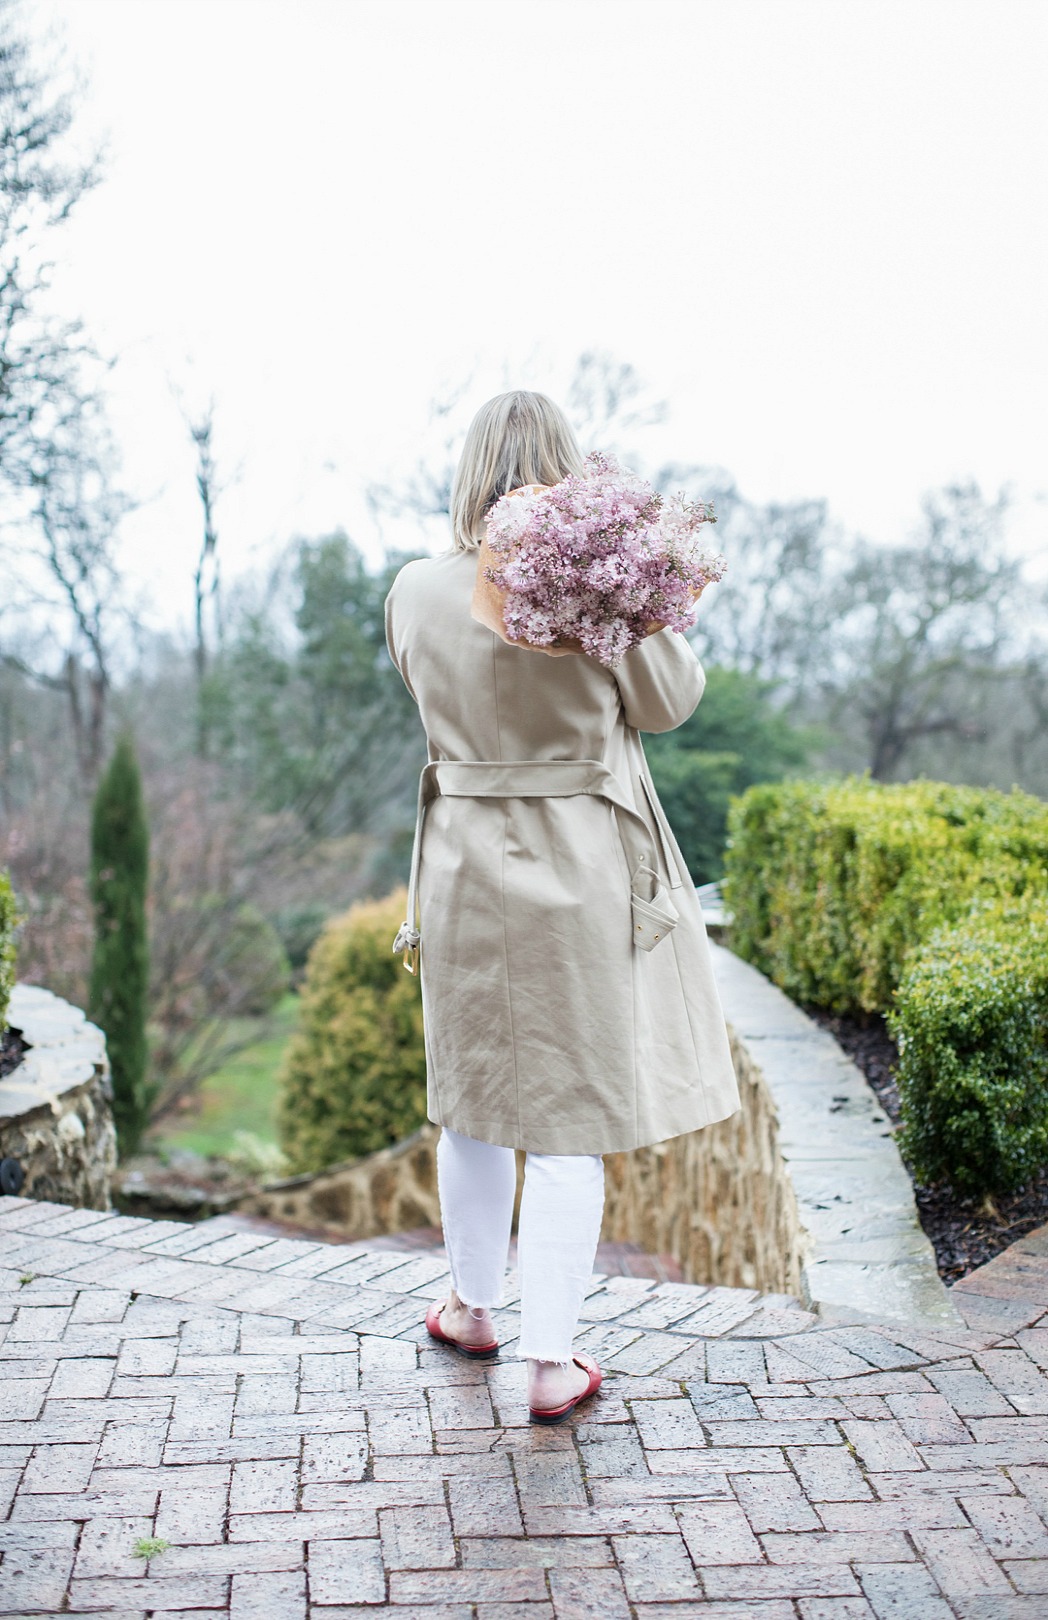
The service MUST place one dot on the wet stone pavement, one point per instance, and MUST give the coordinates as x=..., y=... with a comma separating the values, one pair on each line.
x=271, y=1411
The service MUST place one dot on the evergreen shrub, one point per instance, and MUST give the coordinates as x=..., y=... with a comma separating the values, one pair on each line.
x=9, y=919
x=119, y=986
x=255, y=962
x=971, y=1022
x=354, y=1077
x=922, y=901
x=831, y=885
x=299, y=927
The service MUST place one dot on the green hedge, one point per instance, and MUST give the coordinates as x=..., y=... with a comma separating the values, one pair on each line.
x=831, y=885
x=853, y=895
x=971, y=1022
x=9, y=919
x=354, y=1079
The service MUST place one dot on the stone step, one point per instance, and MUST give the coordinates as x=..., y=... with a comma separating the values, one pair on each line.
x=641, y=1324
x=612, y=1259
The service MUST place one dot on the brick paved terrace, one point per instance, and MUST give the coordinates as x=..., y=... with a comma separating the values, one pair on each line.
x=270, y=1412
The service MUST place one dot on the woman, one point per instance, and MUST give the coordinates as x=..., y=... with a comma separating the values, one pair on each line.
x=548, y=1027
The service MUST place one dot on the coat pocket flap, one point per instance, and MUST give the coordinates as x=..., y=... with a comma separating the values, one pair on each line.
x=653, y=919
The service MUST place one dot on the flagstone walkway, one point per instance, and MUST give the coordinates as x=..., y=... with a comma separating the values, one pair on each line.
x=271, y=1413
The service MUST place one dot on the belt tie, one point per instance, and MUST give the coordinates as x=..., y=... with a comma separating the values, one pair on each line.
x=653, y=912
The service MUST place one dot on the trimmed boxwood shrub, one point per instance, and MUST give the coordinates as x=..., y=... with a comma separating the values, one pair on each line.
x=924, y=901
x=9, y=918
x=971, y=1022
x=354, y=1078
x=831, y=885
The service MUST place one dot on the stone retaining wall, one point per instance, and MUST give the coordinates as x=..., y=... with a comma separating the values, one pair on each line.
x=390, y=1191
x=55, y=1113
x=719, y=1200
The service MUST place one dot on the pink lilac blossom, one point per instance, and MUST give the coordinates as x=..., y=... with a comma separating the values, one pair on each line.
x=599, y=559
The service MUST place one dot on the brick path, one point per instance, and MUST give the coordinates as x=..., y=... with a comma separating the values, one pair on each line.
x=272, y=1410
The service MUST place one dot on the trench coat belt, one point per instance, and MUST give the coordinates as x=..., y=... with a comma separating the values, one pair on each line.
x=653, y=912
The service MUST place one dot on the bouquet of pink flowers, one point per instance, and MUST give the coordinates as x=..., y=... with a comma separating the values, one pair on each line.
x=592, y=564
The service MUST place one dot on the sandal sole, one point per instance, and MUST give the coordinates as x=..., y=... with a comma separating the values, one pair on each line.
x=484, y=1352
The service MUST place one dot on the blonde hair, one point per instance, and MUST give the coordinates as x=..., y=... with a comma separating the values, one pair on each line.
x=516, y=438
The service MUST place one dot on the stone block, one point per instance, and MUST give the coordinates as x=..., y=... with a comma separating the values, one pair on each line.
x=540, y=1552
x=902, y=1592
x=261, y=1596
x=928, y=1419
x=472, y=1585
x=1015, y=1376
x=718, y=1533
x=321, y=1524
x=225, y=1558
x=774, y=1502
x=655, y=1568
x=614, y=1519
x=59, y=1468
x=960, y=1562
x=829, y=1474
x=1009, y=1526
x=612, y=1451
x=838, y=1547
x=667, y=1424
x=881, y=1446
x=264, y=1487
x=1028, y=1574
x=486, y=1507
x=159, y=1596
x=591, y=1594
x=147, y=1358
x=779, y=1580
x=416, y=1538
x=334, y=1457
x=548, y=1479
x=192, y=1518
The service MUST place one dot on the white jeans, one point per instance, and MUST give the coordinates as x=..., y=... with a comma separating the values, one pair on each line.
x=560, y=1215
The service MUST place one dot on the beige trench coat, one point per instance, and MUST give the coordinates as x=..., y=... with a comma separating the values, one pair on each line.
x=546, y=1027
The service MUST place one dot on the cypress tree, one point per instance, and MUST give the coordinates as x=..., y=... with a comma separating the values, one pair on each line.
x=9, y=918
x=120, y=964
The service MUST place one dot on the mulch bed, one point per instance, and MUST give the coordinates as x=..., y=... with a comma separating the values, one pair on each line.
x=964, y=1232
x=12, y=1047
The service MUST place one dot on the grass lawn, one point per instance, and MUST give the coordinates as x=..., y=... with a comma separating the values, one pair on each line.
x=240, y=1096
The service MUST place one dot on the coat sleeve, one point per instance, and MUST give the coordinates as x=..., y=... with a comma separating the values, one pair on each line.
x=397, y=654
x=660, y=682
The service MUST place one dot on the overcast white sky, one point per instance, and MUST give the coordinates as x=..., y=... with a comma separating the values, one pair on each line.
x=818, y=228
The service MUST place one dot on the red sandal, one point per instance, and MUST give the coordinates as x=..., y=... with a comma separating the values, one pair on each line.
x=473, y=1352
x=557, y=1414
